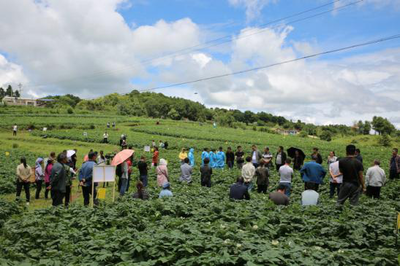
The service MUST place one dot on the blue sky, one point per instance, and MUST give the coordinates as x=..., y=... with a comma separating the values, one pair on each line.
x=95, y=47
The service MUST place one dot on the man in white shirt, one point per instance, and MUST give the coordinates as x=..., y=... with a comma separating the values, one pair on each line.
x=374, y=180
x=248, y=172
x=336, y=179
x=286, y=175
x=15, y=128
x=309, y=196
x=105, y=137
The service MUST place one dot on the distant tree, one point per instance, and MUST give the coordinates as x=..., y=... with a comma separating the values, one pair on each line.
x=16, y=94
x=326, y=135
x=367, y=128
x=2, y=93
x=9, y=91
x=382, y=125
x=173, y=114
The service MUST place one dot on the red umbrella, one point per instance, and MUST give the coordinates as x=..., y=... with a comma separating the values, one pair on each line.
x=121, y=157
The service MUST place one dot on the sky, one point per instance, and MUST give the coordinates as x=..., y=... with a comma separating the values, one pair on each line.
x=92, y=48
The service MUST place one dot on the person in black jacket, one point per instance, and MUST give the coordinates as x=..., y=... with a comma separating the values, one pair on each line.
x=239, y=191
x=58, y=180
x=298, y=160
x=316, y=156
x=280, y=158
x=230, y=158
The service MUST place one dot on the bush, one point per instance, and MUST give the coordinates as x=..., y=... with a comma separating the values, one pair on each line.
x=70, y=110
x=384, y=140
x=303, y=134
x=326, y=135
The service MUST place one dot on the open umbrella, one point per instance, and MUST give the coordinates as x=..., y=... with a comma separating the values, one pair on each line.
x=292, y=151
x=121, y=157
x=70, y=153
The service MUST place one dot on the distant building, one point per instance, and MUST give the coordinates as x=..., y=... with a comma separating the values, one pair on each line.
x=17, y=101
x=287, y=132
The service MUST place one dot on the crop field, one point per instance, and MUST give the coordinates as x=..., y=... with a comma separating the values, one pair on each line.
x=198, y=226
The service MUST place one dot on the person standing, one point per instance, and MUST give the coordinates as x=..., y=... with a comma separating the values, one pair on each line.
x=186, y=172
x=101, y=159
x=15, y=129
x=143, y=168
x=39, y=176
x=267, y=157
x=331, y=158
x=239, y=191
x=313, y=172
x=154, y=160
x=205, y=155
x=309, y=196
x=255, y=156
x=70, y=172
x=336, y=179
x=262, y=174
x=182, y=155
x=191, y=157
x=353, y=178
x=162, y=173
x=286, y=175
x=212, y=158
x=24, y=172
x=280, y=158
x=47, y=173
x=108, y=124
x=394, y=165
x=58, y=180
x=298, y=161
x=166, y=145
x=374, y=180
x=239, y=157
x=220, y=158
x=230, y=158
x=359, y=156
x=316, y=156
x=279, y=196
x=105, y=137
x=248, y=172
x=124, y=177
x=86, y=177
x=205, y=173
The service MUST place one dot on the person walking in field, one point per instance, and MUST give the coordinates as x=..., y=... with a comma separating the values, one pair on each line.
x=353, y=178
x=191, y=157
x=280, y=158
x=24, y=172
x=313, y=172
x=248, y=172
x=262, y=174
x=316, y=156
x=162, y=173
x=86, y=177
x=143, y=168
x=394, y=165
x=183, y=155
x=374, y=180
x=279, y=196
x=58, y=180
x=220, y=158
x=186, y=172
x=230, y=158
x=239, y=191
x=205, y=154
x=336, y=179
x=286, y=175
x=15, y=129
x=39, y=176
x=239, y=157
x=205, y=173
x=154, y=160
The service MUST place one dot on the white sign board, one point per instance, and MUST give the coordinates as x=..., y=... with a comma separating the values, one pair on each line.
x=147, y=148
x=104, y=173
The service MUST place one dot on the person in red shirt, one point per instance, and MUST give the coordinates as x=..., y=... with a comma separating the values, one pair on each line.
x=155, y=157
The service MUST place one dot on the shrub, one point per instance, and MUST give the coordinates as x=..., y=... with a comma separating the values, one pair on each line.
x=384, y=140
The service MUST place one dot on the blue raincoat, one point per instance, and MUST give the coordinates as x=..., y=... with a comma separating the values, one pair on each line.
x=219, y=159
x=191, y=157
x=204, y=155
x=212, y=159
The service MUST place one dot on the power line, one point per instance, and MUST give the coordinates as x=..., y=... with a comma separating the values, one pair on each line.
x=190, y=49
x=277, y=64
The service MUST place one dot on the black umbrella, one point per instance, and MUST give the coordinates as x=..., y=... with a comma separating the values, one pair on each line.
x=292, y=151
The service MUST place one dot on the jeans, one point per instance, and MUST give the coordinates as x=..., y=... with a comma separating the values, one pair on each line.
x=256, y=165
x=206, y=182
x=262, y=188
x=124, y=185
x=46, y=193
x=288, y=188
x=332, y=188
x=87, y=191
x=374, y=192
x=38, y=188
x=239, y=165
x=57, y=197
x=144, y=180
x=350, y=191
x=393, y=174
x=249, y=185
x=25, y=185
x=67, y=195
x=230, y=164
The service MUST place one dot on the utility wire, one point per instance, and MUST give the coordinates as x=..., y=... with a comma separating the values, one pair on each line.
x=191, y=49
x=280, y=63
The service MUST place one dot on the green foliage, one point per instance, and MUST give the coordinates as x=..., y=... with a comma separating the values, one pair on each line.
x=326, y=135
x=382, y=125
x=384, y=140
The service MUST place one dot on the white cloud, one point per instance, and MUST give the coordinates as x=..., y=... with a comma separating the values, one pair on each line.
x=10, y=74
x=253, y=7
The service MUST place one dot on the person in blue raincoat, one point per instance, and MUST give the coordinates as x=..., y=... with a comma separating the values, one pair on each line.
x=204, y=155
x=220, y=158
x=212, y=158
x=191, y=157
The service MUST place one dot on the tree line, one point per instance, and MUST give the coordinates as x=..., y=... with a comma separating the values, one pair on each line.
x=8, y=92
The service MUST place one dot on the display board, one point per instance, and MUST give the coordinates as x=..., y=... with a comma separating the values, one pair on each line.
x=104, y=173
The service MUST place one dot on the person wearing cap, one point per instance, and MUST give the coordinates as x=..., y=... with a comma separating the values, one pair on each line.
x=85, y=178
x=162, y=173
x=166, y=190
x=39, y=176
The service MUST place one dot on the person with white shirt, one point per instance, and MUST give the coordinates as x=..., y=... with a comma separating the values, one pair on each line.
x=105, y=137
x=374, y=180
x=286, y=175
x=15, y=129
x=248, y=172
x=309, y=196
x=336, y=179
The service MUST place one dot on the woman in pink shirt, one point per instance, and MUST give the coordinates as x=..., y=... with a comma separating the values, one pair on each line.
x=47, y=173
x=162, y=172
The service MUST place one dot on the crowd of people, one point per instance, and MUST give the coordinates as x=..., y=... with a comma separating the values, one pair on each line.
x=346, y=175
